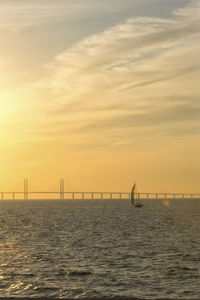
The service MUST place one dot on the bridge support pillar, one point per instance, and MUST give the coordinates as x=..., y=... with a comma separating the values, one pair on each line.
x=26, y=189
x=62, y=195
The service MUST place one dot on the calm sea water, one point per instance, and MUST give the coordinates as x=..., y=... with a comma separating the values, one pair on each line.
x=96, y=248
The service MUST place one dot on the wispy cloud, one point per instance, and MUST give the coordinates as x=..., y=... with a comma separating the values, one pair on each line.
x=126, y=51
x=190, y=11
x=136, y=54
x=139, y=74
x=18, y=14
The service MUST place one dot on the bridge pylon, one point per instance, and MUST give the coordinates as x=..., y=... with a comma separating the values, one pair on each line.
x=62, y=189
x=25, y=188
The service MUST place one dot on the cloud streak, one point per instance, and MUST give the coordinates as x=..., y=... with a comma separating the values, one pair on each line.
x=19, y=14
x=142, y=74
x=135, y=54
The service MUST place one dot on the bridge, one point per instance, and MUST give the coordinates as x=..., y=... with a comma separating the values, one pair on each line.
x=62, y=194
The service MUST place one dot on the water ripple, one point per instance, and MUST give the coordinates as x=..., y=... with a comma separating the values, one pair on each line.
x=99, y=248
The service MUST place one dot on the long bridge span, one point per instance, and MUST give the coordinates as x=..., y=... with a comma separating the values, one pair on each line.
x=26, y=194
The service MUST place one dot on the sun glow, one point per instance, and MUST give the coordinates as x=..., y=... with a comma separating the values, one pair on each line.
x=5, y=105
x=102, y=104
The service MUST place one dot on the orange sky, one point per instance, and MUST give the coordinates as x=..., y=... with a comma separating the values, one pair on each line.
x=101, y=94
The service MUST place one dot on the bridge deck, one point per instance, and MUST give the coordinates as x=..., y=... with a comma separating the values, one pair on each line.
x=93, y=195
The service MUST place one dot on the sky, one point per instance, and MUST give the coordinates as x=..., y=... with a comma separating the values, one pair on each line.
x=100, y=93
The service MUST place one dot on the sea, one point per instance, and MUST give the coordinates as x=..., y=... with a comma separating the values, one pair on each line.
x=100, y=248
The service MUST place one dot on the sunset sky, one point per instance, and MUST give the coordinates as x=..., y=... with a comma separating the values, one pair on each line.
x=102, y=93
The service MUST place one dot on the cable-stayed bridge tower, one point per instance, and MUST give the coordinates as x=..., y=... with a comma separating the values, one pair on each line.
x=62, y=189
x=25, y=188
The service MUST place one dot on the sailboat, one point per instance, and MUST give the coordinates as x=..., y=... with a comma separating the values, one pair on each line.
x=134, y=200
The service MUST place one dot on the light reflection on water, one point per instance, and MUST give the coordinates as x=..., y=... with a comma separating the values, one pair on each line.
x=95, y=248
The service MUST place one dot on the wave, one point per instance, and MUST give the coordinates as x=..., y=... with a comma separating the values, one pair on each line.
x=78, y=273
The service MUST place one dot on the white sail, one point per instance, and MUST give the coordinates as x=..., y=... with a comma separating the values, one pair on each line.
x=133, y=194
x=134, y=199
